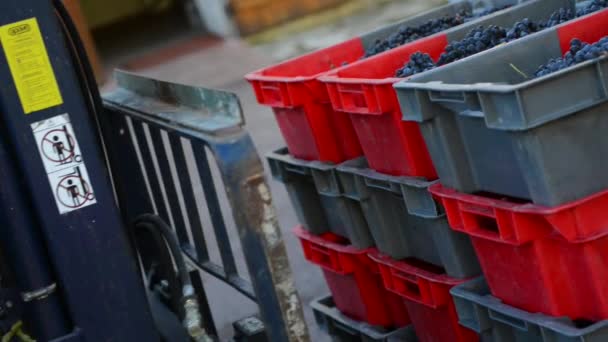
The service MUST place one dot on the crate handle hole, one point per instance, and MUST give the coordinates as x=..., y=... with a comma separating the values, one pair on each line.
x=408, y=285
x=508, y=320
x=488, y=224
x=321, y=256
x=413, y=289
x=297, y=169
x=447, y=96
x=273, y=95
x=582, y=323
x=379, y=184
x=345, y=329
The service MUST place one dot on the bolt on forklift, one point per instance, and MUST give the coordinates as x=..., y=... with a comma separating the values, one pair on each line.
x=101, y=236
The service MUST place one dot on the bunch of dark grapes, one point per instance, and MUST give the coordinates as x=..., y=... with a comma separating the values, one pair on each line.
x=437, y=25
x=404, y=35
x=559, y=17
x=480, y=39
x=407, y=34
x=484, y=38
x=594, y=6
x=579, y=52
x=521, y=29
x=419, y=62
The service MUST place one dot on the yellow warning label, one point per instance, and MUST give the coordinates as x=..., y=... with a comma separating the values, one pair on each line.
x=30, y=65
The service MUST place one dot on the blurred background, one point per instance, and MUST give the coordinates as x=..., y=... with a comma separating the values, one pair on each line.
x=214, y=43
x=142, y=34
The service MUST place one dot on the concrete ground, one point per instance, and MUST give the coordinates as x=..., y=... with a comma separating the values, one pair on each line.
x=214, y=64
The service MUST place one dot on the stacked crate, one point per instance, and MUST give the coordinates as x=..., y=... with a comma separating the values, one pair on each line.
x=420, y=258
x=363, y=162
x=335, y=233
x=335, y=216
x=521, y=161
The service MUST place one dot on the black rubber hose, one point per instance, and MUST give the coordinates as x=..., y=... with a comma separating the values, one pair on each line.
x=149, y=221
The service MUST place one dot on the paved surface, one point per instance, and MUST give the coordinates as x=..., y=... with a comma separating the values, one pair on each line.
x=222, y=65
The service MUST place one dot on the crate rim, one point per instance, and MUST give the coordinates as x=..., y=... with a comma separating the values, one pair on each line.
x=302, y=233
x=403, y=266
x=439, y=190
x=492, y=87
x=545, y=321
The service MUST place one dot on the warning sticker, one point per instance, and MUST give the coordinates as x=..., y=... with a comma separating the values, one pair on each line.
x=63, y=162
x=30, y=66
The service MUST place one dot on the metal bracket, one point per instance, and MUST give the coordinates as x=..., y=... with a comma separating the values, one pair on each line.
x=39, y=294
x=207, y=110
x=149, y=118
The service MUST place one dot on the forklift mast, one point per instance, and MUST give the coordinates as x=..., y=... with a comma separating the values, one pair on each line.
x=72, y=269
x=61, y=200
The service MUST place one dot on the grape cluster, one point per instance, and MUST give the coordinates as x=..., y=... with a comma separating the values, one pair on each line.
x=419, y=62
x=594, y=6
x=484, y=38
x=559, y=17
x=407, y=34
x=579, y=52
x=521, y=29
x=479, y=39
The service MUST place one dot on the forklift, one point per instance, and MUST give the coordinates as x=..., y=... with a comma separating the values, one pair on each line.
x=101, y=228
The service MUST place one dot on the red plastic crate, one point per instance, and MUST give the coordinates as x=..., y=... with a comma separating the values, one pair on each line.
x=310, y=126
x=425, y=289
x=539, y=259
x=354, y=280
x=365, y=91
x=590, y=28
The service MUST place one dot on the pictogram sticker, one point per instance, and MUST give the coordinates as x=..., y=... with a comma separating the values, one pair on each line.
x=64, y=164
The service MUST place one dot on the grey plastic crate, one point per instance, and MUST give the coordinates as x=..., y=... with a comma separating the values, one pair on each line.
x=489, y=129
x=405, y=221
x=344, y=329
x=317, y=198
x=478, y=310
